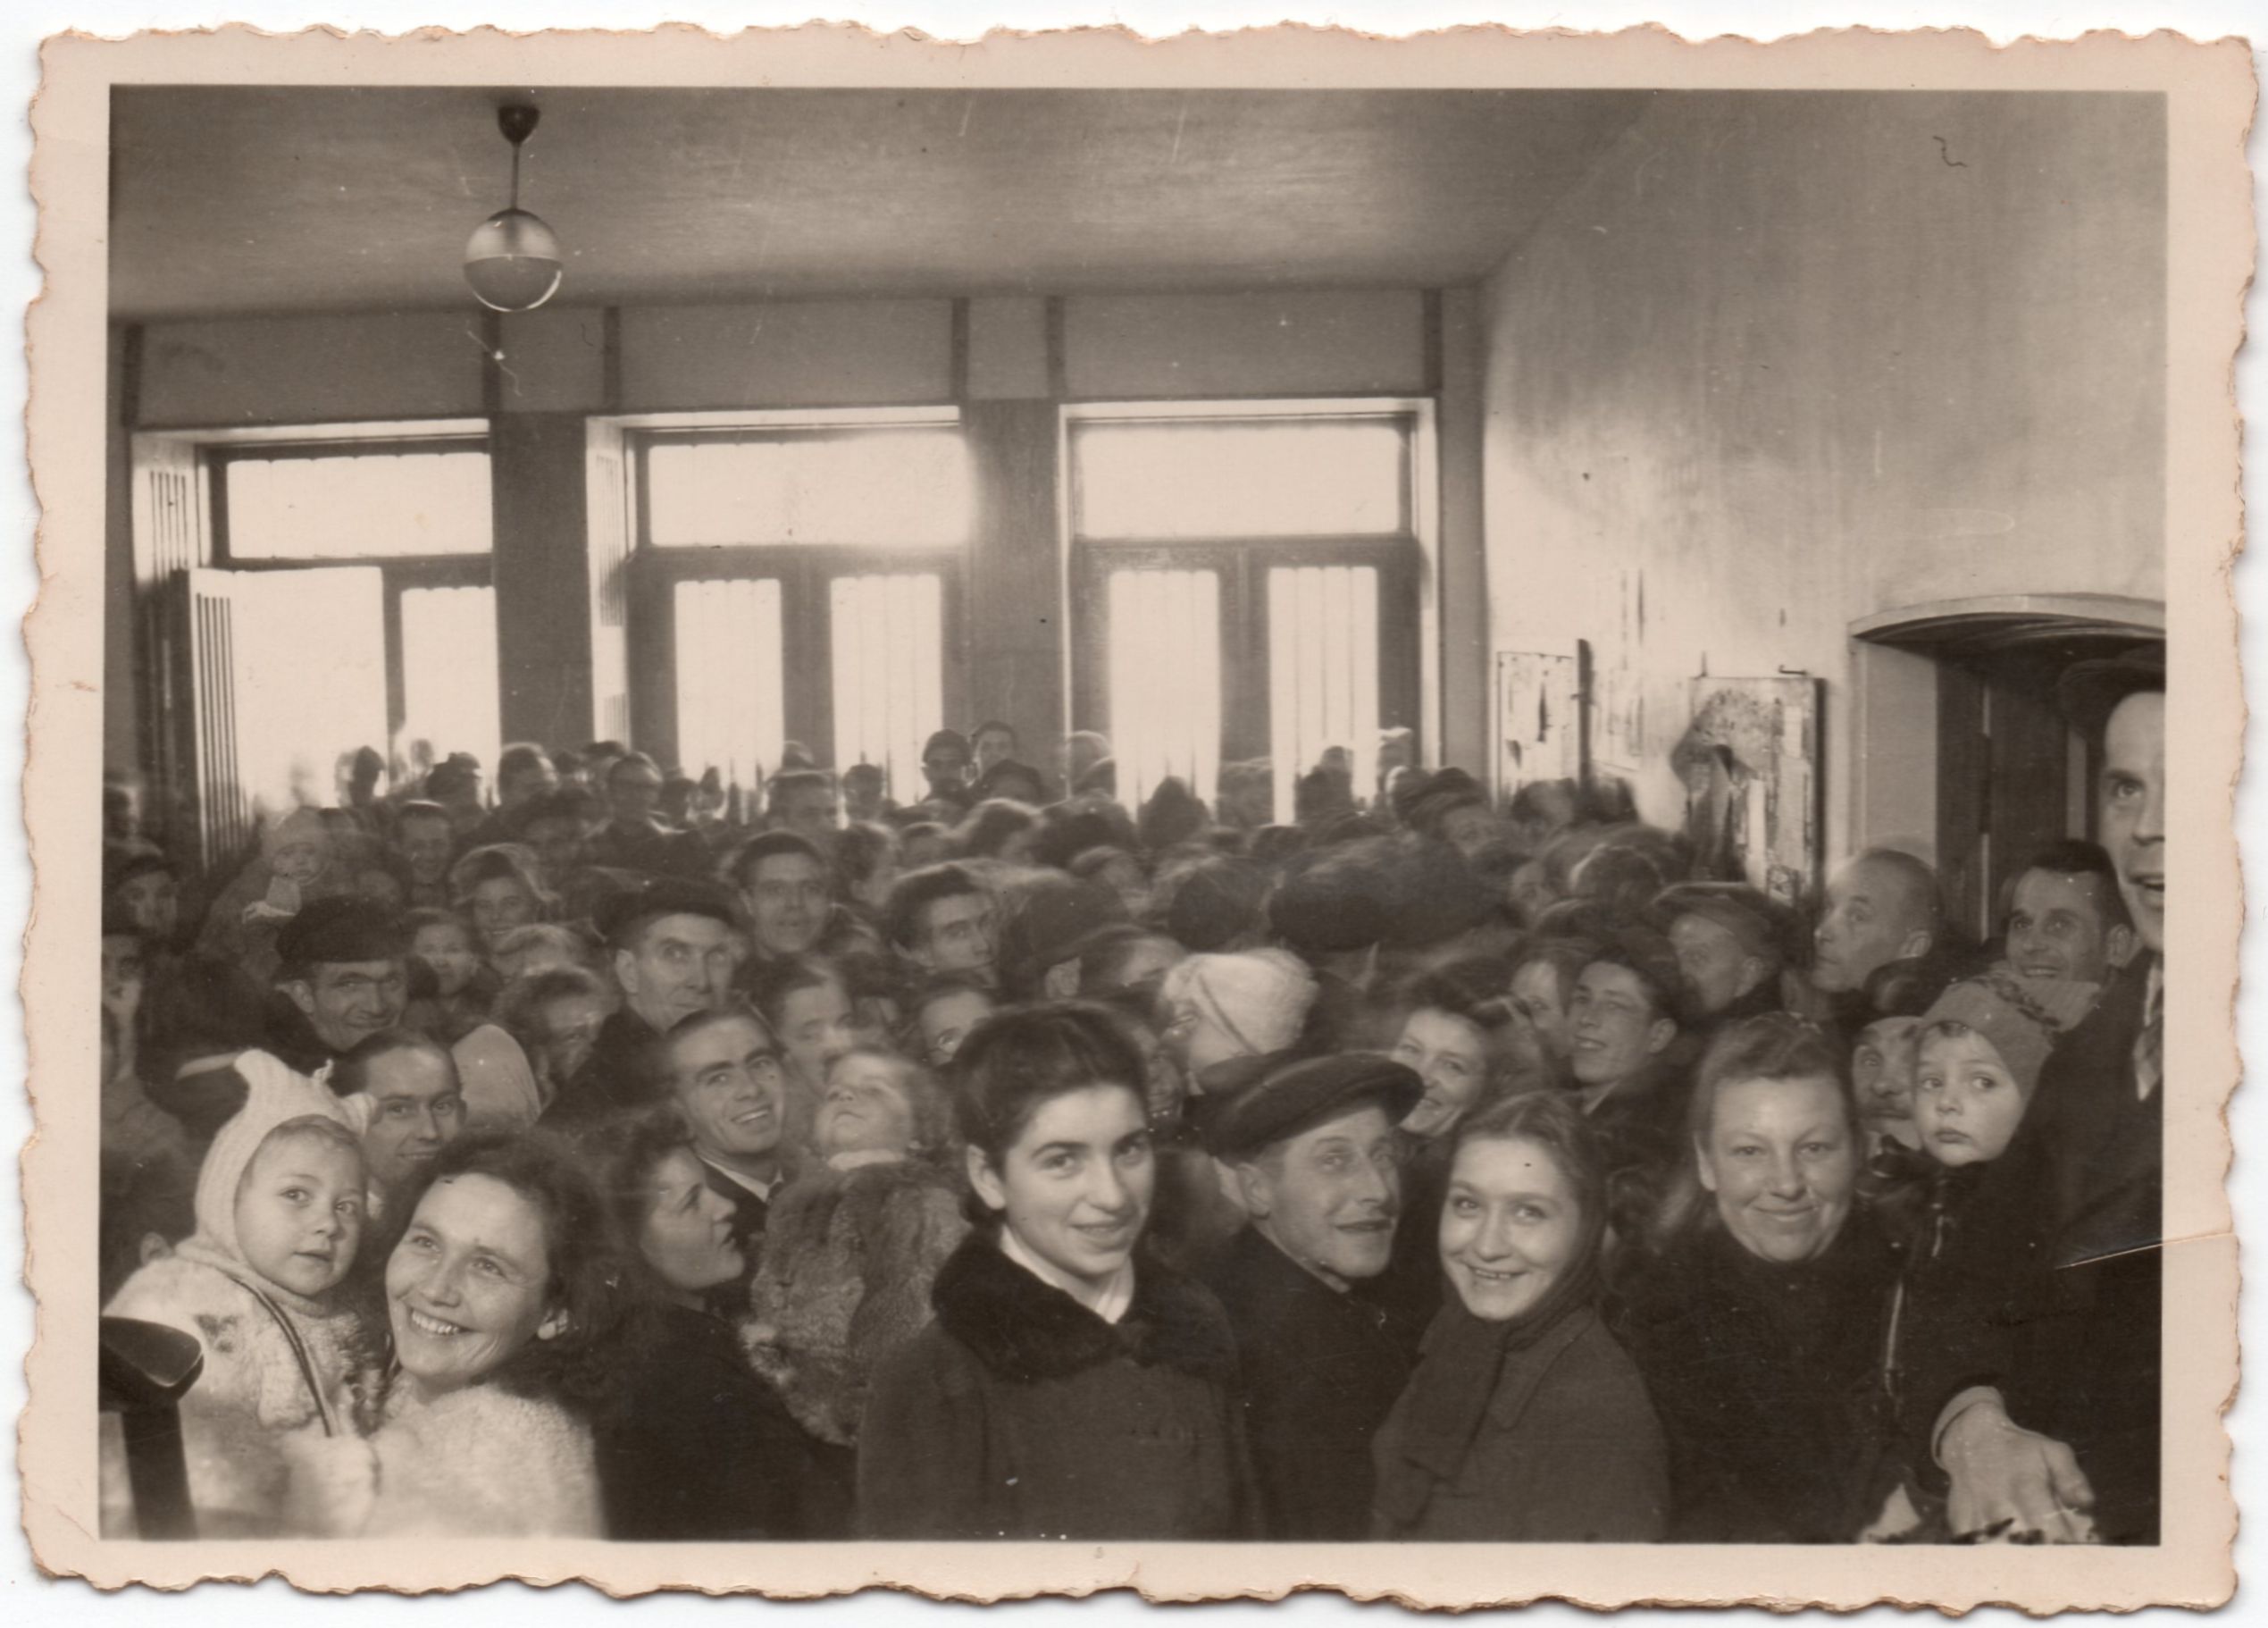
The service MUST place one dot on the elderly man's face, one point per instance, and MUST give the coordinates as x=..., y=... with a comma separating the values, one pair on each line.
x=2133, y=810
x=1872, y=918
x=346, y=1003
x=425, y=844
x=1328, y=1197
x=1711, y=956
x=679, y=965
x=786, y=899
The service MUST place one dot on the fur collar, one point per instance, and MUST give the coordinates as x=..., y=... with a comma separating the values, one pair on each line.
x=1024, y=1330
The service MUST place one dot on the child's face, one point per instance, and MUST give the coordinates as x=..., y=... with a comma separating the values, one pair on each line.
x=1882, y=1074
x=299, y=860
x=448, y=951
x=865, y=1109
x=1965, y=1101
x=299, y=1212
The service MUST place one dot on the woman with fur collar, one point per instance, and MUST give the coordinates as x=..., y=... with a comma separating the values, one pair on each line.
x=503, y=1298
x=1069, y=1387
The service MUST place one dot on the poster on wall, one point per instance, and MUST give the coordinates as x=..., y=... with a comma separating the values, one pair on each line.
x=1750, y=763
x=1539, y=724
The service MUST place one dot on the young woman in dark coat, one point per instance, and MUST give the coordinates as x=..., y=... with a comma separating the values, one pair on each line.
x=1760, y=1326
x=696, y=1447
x=1525, y=1423
x=1070, y=1387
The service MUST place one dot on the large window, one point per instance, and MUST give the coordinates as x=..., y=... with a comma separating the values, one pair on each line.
x=362, y=612
x=800, y=581
x=1244, y=585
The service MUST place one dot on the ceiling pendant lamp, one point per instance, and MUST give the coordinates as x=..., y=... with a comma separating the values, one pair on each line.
x=513, y=258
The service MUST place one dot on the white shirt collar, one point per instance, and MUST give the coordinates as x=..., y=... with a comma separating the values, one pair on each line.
x=762, y=1189
x=1108, y=1299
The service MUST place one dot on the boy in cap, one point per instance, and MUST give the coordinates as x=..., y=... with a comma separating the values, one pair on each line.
x=1321, y=1359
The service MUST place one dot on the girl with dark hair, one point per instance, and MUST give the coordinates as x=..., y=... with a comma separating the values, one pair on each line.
x=696, y=1447
x=1069, y=1387
x=504, y=1301
x=1525, y=1422
x=1760, y=1326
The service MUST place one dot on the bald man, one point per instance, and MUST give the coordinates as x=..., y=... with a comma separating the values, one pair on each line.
x=1881, y=907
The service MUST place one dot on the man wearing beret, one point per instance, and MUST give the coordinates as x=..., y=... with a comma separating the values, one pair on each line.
x=1731, y=942
x=2061, y=1437
x=670, y=947
x=1321, y=1358
x=344, y=977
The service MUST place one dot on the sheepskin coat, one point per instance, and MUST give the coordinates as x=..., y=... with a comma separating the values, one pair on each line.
x=1020, y=1413
x=848, y=1259
x=249, y=1398
x=475, y=1463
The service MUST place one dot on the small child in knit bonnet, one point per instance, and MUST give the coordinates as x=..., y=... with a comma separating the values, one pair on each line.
x=279, y=1208
x=1981, y=1046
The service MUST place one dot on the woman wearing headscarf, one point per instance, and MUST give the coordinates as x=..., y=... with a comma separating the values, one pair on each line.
x=1525, y=1421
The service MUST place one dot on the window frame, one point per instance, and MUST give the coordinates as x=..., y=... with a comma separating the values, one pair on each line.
x=804, y=571
x=399, y=574
x=1401, y=558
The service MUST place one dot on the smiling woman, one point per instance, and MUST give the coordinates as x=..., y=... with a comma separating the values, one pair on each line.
x=508, y=1333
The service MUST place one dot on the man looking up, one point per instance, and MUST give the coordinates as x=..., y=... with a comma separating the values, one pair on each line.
x=1881, y=907
x=670, y=948
x=1320, y=1361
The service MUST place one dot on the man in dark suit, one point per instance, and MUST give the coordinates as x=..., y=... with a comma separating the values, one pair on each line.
x=726, y=1076
x=2065, y=1443
x=1321, y=1359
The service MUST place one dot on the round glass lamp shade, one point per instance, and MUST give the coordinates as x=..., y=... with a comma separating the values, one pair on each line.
x=513, y=262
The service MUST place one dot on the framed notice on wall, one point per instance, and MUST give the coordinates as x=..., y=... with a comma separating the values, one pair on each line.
x=1539, y=721
x=1750, y=761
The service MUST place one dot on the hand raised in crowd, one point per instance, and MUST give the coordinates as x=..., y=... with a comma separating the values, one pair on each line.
x=2011, y=1484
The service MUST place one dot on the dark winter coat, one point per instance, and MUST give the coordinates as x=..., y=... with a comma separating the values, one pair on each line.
x=699, y=1448
x=1319, y=1369
x=1765, y=1377
x=615, y=1082
x=1020, y=1413
x=1567, y=1452
x=2039, y=1275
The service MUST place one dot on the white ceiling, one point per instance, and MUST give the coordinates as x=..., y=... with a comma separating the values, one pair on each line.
x=239, y=200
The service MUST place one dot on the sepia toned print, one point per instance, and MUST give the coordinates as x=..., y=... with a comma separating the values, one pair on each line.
x=1427, y=816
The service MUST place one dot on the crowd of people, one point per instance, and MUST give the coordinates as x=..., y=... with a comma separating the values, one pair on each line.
x=608, y=1159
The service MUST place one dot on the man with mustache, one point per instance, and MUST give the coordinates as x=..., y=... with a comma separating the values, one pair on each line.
x=1321, y=1356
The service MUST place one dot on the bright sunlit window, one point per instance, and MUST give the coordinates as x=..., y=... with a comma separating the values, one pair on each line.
x=889, y=674
x=307, y=660
x=1323, y=672
x=1165, y=678
x=449, y=700
x=1202, y=478
x=730, y=714
x=359, y=506
x=873, y=488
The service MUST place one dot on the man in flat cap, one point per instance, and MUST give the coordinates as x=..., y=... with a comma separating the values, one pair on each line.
x=2060, y=1434
x=671, y=948
x=1322, y=1357
x=343, y=976
x=1731, y=942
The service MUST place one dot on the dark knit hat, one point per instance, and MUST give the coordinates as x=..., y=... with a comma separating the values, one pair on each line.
x=340, y=930
x=1302, y=1095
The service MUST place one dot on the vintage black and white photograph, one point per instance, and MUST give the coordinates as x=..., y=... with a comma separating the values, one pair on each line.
x=1122, y=813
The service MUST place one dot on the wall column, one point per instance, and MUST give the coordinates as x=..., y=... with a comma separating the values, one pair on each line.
x=542, y=579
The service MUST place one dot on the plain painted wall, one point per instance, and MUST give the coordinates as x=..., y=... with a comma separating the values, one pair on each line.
x=1781, y=363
